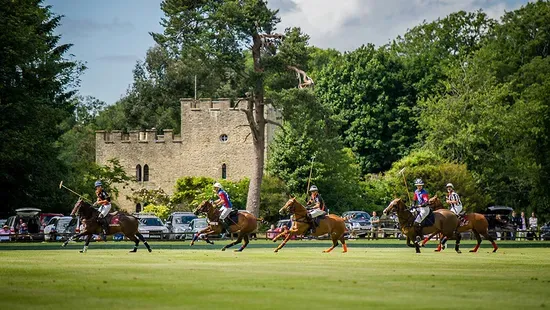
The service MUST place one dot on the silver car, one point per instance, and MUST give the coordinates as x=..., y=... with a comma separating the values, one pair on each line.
x=60, y=227
x=195, y=226
x=151, y=226
x=357, y=223
x=178, y=222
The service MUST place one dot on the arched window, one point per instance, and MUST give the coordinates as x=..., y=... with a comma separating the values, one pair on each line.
x=138, y=173
x=145, y=173
x=224, y=171
x=138, y=207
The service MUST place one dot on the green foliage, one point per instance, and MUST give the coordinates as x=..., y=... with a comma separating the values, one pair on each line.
x=161, y=211
x=150, y=196
x=191, y=191
x=368, y=90
x=274, y=196
x=36, y=84
x=435, y=171
x=310, y=131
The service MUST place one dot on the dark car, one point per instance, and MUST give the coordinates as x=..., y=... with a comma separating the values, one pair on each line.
x=500, y=220
x=357, y=223
x=30, y=216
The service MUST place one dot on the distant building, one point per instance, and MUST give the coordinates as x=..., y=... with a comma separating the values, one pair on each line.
x=214, y=142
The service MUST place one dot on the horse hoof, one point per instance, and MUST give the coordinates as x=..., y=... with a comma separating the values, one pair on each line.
x=437, y=250
x=132, y=251
x=473, y=251
x=81, y=251
x=495, y=250
x=276, y=251
x=223, y=249
x=344, y=251
x=237, y=250
x=149, y=250
x=459, y=252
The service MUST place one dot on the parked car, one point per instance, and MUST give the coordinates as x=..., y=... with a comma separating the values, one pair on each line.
x=357, y=223
x=195, y=226
x=151, y=226
x=503, y=225
x=30, y=217
x=2, y=222
x=61, y=227
x=545, y=232
x=178, y=222
x=45, y=218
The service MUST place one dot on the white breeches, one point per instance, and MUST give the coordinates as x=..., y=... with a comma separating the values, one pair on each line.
x=224, y=213
x=456, y=209
x=316, y=212
x=422, y=215
x=104, y=210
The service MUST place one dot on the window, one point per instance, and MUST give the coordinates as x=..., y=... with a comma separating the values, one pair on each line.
x=138, y=173
x=138, y=207
x=224, y=171
x=223, y=138
x=145, y=173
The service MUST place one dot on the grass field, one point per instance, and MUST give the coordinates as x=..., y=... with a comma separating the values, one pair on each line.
x=373, y=274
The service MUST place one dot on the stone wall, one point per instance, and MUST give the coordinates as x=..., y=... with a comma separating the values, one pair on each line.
x=213, y=133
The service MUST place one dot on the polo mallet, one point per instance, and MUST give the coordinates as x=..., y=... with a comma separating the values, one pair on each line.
x=70, y=190
x=402, y=172
x=310, y=171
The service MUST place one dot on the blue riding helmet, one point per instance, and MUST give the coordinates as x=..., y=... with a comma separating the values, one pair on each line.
x=98, y=183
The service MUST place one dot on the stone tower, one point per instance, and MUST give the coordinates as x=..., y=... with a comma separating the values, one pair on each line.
x=214, y=142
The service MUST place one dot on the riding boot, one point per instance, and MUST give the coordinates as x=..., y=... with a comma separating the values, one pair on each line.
x=418, y=231
x=105, y=226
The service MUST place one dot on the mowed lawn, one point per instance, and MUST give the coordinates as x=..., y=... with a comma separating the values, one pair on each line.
x=370, y=275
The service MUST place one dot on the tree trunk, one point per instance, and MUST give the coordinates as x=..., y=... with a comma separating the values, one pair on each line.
x=256, y=120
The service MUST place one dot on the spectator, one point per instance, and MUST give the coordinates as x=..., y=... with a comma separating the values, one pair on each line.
x=514, y=222
x=375, y=221
x=498, y=228
x=5, y=233
x=271, y=232
x=533, y=225
x=522, y=224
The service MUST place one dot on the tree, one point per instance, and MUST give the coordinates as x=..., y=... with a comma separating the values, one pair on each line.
x=37, y=82
x=367, y=89
x=221, y=34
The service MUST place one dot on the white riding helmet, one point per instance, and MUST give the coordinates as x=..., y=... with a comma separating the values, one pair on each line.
x=450, y=185
x=313, y=188
x=418, y=182
x=217, y=185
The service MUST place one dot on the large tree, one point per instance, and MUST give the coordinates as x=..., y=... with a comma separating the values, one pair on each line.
x=36, y=82
x=224, y=35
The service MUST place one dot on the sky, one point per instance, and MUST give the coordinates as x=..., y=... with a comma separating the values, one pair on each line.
x=110, y=36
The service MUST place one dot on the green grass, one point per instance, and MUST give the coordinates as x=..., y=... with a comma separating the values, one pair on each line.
x=373, y=274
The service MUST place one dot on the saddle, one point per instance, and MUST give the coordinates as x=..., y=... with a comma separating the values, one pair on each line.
x=233, y=217
x=429, y=220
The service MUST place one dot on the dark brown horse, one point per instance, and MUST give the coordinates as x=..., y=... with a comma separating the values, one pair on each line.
x=245, y=225
x=331, y=224
x=119, y=222
x=474, y=222
x=445, y=223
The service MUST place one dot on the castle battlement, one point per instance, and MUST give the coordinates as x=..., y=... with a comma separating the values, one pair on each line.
x=209, y=104
x=136, y=136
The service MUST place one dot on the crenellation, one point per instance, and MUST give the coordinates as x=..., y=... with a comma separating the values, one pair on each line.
x=150, y=134
x=168, y=135
x=134, y=135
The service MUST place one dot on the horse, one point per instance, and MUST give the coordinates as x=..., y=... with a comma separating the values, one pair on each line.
x=244, y=225
x=445, y=222
x=330, y=224
x=475, y=222
x=119, y=222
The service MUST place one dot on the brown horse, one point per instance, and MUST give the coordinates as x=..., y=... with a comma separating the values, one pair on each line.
x=445, y=223
x=119, y=222
x=331, y=224
x=245, y=225
x=474, y=222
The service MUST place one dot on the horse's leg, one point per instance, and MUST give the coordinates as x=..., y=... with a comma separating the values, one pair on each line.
x=458, y=236
x=196, y=236
x=71, y=239
x=478, y=239
x=284, y=233
x=239, y=239
x=488, y=237
x=334, y=244
x=246, y=240
x=136, y=241
x=344, y=245
x=427, y=239
x=288, y=236
x=140, y=236
x=85, y=248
